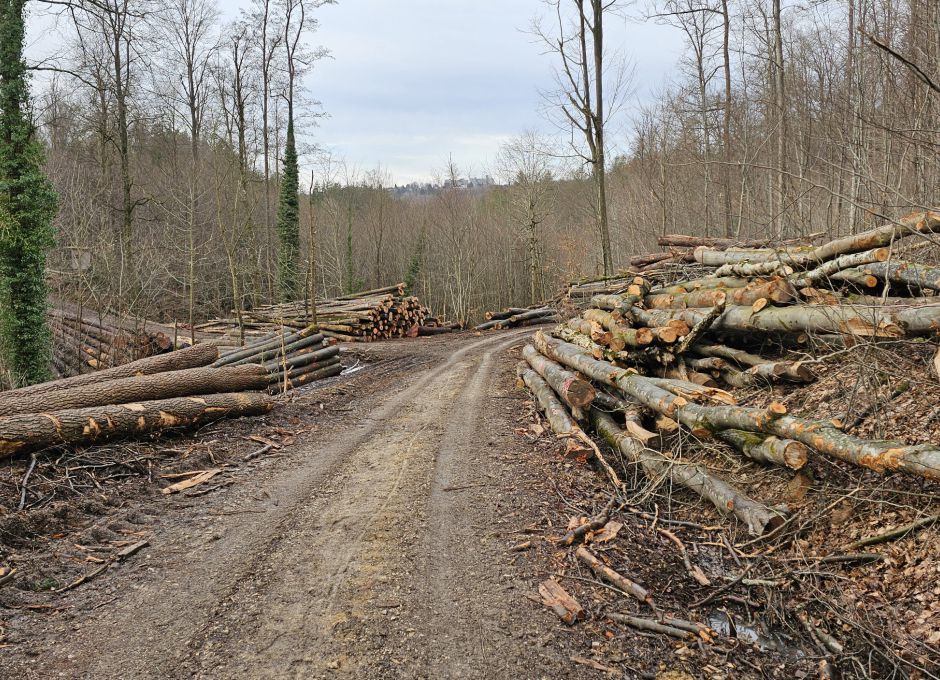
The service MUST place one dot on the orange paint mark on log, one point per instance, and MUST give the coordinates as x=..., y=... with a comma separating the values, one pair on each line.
x=92, y=428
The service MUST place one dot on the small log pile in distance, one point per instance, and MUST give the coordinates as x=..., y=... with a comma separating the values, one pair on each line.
x=517, y=317
x=379, y=314
x=432, y=326
x=84, y=342
x=172, y=390
x=649, y=360
x=290, y=358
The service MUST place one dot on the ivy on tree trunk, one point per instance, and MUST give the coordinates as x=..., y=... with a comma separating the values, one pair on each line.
x=27, y=207
x=288, y=223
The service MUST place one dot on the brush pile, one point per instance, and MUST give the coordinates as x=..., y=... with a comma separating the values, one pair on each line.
x=707, y=383
x=289, y=357
x=172, y=390
x=517, y=317
x=84, y=342
x=379, y=314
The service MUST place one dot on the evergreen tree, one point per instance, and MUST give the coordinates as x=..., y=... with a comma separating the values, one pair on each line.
x=27, y=206
x=288, y=223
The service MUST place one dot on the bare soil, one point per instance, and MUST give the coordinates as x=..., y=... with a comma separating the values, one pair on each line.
x=401, y=523
x=374, y=546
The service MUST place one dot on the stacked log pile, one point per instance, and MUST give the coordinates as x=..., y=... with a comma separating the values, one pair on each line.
x=517, y=317
x=650, y=360
x=378, y=314
x=84, y=342
x=290, y=358
x=171, y=390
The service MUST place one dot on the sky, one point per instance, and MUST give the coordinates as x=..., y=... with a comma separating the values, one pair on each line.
x=412, y=83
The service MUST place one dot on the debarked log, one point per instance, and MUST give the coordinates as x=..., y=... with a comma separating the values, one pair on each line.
x=27, y=432
x=141, y=388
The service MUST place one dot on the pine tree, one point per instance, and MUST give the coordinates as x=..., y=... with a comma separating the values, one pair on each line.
x=288, y=223
x=27, y=207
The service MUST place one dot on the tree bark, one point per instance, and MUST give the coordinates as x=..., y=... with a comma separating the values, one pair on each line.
x=191, y=357
x=22, y=433
x=140, y=388
x=881, y=456
x=906, y=273
x=574, y=390
x=725, y=497
x=867, y=321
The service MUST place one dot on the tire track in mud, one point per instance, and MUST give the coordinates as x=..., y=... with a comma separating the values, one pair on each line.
x=298, y=585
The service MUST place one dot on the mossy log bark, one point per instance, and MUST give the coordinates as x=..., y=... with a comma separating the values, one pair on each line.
x=881, y=456
x=141, y=388
x=302, y=358
x=267, y=344
x=767, y=448
x=908, y=273
x=729, y=500
x=92, y=425
x=191, y=357
x=275, y=348
x=305, y=375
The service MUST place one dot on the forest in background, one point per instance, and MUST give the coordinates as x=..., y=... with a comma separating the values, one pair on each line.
x=164, y=131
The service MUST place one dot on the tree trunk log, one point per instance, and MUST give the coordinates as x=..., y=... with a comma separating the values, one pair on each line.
x=907, y=273
x=559, y=419
x=881, y=456
x=574, y=390
x=191, y=357
x=697, y=479
x=140, y=388
x=865, y=321
x=767, y=448
x=22, y=433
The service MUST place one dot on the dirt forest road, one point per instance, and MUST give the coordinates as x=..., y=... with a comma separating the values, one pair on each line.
x=378, y=549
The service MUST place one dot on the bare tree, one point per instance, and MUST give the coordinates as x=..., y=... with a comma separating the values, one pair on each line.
x=582, y=70
x=527, y=170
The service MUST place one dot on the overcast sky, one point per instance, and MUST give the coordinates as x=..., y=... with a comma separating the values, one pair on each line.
x=412, y=82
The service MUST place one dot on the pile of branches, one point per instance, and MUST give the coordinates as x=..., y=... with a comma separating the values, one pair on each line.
x=647, y=368
x=290, y=358
x=173, y=390
x=379, y=314
x=83, y=342
x=517, y=317
x=670, y=350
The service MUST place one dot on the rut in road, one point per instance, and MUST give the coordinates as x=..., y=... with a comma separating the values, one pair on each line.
x=365, y=563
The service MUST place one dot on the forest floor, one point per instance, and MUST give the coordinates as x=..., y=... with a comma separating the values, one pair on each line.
x=398, y=527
